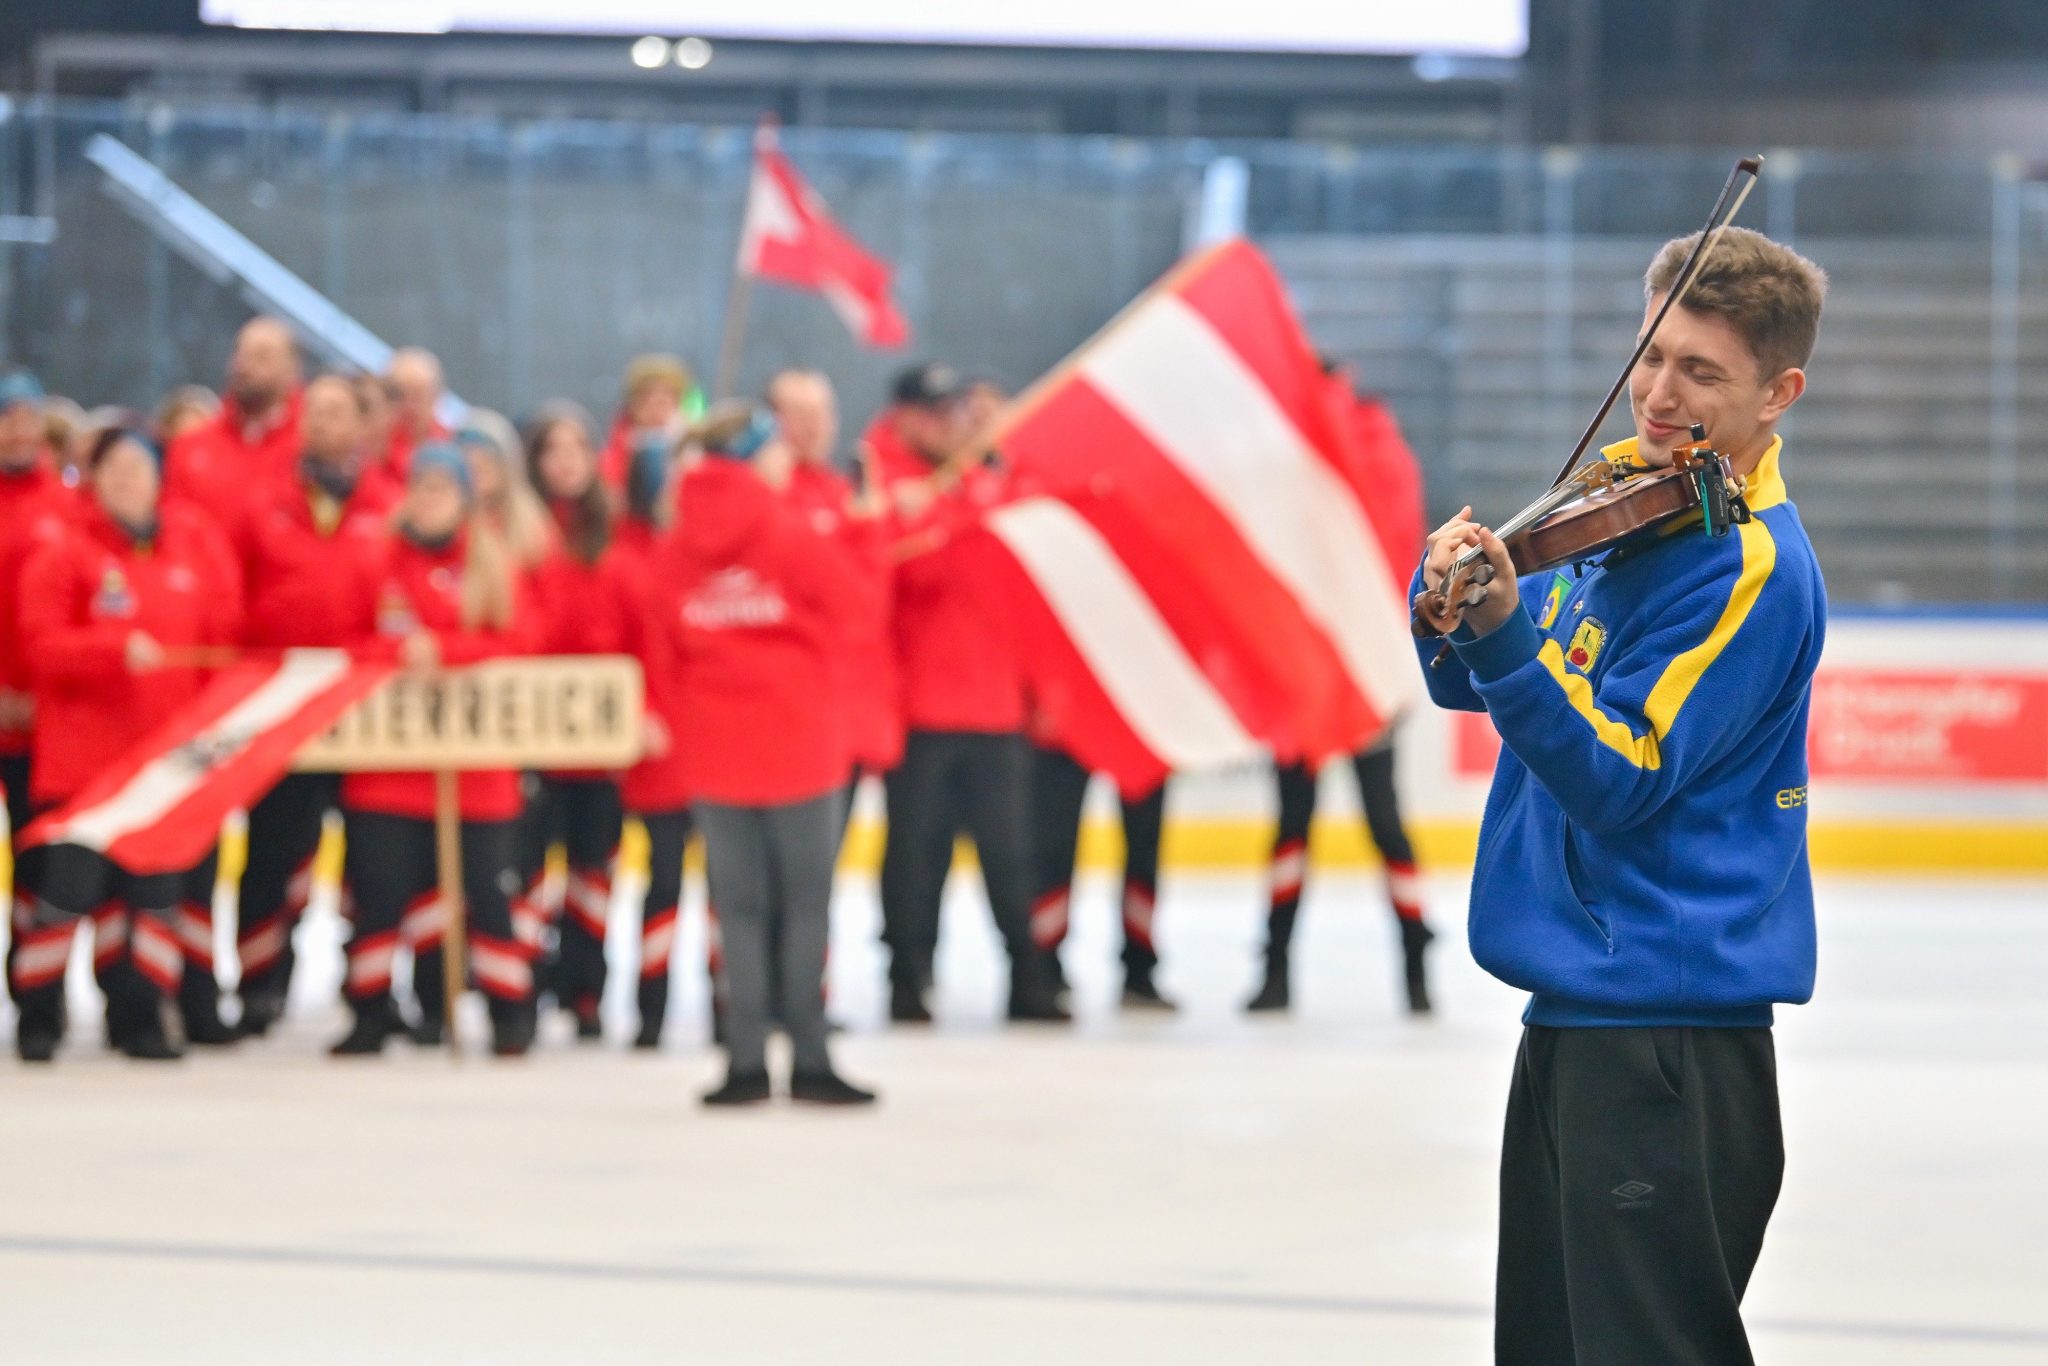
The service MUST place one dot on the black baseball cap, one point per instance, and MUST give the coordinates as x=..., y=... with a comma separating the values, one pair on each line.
x=931, y=385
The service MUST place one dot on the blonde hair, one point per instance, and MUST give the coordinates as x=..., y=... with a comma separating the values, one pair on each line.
x=1769, y=293
x=645, y=372
x=517, y=515
x=488, y=570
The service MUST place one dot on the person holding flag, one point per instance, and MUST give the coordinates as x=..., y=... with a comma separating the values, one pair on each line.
x=107, y=609
x=966, y=763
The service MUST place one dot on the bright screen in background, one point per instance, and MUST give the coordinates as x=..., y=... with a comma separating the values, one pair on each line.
x=1493, y=28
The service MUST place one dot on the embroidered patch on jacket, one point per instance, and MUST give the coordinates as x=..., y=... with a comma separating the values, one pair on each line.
x=1585, y=646
x=1553, y=602
x=115, y=598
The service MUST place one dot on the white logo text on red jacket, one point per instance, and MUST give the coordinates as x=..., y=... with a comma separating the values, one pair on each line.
x=735, y=599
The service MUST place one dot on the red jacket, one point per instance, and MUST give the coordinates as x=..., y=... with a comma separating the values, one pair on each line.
x=658, y=782
x=82, y=595
x=225, y=466
x=748, y=601
x=35, y=506
x=863, y=656
x=584, y=609
x=306, y=586
x=955, y=649
x=421, y=590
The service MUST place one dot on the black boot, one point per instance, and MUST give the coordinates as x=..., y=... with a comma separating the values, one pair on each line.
x=150, y=1031
x=1141, y=992
x=262, y=1008
x=1415, y=937
x=589, y=1022
x=1033, y=998
x=142, y=1022
x=741, y=1088
x=40, y=1027
x=513, y=1025
x=827, y=1088
x=653, y=1000
x=376, y=1020
x=1275, y=994
x=907, y=1004
x=199, y=1005
x=430, y=990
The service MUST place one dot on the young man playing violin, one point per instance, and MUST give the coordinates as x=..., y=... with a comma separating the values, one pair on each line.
x=1642, y=863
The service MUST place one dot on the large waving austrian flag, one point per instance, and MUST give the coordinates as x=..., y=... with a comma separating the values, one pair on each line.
x=160, y=808
x=789, y=237
x=1214, y=575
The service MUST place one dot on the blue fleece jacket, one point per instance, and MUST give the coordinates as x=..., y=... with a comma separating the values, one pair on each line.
x=1642, y=859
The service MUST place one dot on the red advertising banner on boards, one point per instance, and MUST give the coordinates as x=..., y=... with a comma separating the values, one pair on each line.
x=1891, y=725
x=1881, y=725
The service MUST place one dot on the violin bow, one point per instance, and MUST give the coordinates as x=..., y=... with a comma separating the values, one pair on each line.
x=1741, y=180
x=1745, y=175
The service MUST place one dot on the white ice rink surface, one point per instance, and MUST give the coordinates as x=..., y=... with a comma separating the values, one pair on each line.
x=1199, y=1188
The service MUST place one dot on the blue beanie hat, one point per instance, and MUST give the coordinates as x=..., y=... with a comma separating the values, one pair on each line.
x=19, y=386
x=443, y=457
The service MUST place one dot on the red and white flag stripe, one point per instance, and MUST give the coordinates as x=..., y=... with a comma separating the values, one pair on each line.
x=1199, y=540
x=160, y=808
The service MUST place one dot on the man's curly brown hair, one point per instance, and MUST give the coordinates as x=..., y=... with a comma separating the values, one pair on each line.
x=1769, y=293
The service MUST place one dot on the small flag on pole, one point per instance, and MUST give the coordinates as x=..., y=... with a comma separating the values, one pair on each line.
x=789, y=237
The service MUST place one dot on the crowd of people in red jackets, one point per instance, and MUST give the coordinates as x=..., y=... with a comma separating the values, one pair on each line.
x=800, y=624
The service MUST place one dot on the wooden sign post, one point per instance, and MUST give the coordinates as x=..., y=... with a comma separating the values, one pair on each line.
x=544, y=712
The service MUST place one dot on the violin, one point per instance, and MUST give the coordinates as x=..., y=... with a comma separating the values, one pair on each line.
x=1592, y=508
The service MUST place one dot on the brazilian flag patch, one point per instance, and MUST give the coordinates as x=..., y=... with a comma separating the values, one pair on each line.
x=1553, y=602
x=1586, y=644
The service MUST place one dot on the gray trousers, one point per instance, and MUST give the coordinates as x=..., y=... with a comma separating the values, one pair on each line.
x=771, y=879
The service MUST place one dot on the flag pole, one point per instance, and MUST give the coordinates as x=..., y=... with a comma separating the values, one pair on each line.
x=735, y=336
x=448, y=861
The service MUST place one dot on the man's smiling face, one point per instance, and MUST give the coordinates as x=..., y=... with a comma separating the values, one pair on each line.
x=1700, y=370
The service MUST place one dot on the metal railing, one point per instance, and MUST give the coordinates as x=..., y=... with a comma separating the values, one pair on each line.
x=536, y=256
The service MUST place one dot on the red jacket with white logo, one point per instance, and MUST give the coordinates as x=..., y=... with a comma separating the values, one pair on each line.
x=955, y=649
x=747, y=602
x=306, y=585
x=421, y=590
x=35, y=506
x=863, y=656
x=82, y=595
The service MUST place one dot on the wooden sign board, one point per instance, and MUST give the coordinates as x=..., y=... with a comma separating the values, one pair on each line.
x=536, y=712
